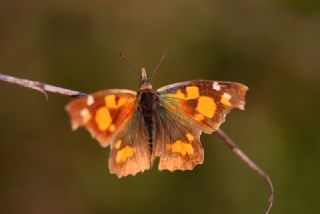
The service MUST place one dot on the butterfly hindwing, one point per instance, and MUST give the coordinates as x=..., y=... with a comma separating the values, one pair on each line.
x=103, y=113
x=129, y=154
x=203, y=103
x=177, y=142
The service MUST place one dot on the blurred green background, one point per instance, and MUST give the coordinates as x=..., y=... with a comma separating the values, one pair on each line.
x=271, y=46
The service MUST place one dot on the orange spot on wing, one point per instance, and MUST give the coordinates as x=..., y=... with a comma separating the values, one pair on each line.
x=198, y=117
x=118, y=144
x=121, y=102
x=190, y=137
x=178, y=95
x=110, y=101
x=192, y=92
x=181, y=147
x=225, y=99
x=206, y=106
x=111, y=128
x=124, y=154
x=103, y=118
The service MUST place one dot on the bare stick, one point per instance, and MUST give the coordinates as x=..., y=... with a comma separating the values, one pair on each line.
x=250, y=163
x=43, y=88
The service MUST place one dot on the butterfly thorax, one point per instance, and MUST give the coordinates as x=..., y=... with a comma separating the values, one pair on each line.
x=148, y=103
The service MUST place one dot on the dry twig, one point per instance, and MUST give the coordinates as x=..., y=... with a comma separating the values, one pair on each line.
x=43, y=88
x=250, y=163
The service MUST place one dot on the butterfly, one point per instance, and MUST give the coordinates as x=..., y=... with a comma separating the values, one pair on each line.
x=166, y=123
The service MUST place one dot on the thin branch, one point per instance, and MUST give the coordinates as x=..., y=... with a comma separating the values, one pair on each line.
x=250, y=163
x=41, y=87
x=44, y=88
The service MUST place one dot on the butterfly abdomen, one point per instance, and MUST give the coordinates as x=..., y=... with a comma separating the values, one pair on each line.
x=148, y=106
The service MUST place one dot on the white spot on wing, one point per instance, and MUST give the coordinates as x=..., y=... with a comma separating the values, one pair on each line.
x=84, y=112
x=90, y=100
x=216, y=86
x=226, y=96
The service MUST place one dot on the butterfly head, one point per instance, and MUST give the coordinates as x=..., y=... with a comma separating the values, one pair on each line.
x=144, y=81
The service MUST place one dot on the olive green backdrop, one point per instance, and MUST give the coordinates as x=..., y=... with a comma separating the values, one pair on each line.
x=271, y=46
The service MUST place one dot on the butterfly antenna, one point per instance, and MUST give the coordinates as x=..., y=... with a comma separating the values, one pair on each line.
x=125, y=58
x=159, y=63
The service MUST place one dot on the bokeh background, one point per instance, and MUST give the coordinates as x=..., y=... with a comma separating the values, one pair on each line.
x=271, y=46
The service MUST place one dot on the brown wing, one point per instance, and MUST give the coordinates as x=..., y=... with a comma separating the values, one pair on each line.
x=129, y=154
x=111, y=118
x=177, y=143
x=188, y=109
x=203, y=103
x=103, y=113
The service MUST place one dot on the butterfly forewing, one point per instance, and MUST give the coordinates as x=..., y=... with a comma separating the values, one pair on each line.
x=111, y=117
x=188, y=109
x=203, y=103
x=103, y=113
